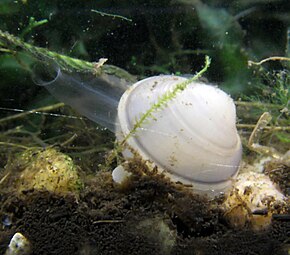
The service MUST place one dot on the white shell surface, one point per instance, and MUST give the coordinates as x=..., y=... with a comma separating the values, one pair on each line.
x=193, y=138
x=120, y=175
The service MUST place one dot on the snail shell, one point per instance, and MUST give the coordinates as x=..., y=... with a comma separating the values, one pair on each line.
x=193, y=139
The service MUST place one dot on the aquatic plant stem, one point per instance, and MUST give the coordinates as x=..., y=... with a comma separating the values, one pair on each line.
x=257, y=104
x=38, y=110
x=111, y=15
x=164, y=99
x=253, y=142
x=252, y=126
x=14, y=145
x=275, y=58
x=65, y=63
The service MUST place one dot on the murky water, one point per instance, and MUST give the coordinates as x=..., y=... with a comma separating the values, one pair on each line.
x=58, y=146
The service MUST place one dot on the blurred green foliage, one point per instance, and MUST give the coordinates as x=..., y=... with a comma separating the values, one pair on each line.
x=152, y=37
x=163, y=37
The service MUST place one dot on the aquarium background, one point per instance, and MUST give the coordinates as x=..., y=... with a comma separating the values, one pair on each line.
x=153, y=37
x=145, y=38
x=149, y=38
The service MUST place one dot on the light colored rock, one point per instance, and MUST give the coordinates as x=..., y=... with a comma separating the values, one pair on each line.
x=120, y=175
x=253, y=192
x=19, y=245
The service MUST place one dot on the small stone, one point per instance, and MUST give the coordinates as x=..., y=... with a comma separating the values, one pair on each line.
x=253, y=193
x=120, y=175
x=19, y=245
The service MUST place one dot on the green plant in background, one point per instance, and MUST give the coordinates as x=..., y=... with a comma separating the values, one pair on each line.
x=31, y=25
x=226, y=35
x=145, y=39
x=64, y=62
x=272, y=91
x=163, y=37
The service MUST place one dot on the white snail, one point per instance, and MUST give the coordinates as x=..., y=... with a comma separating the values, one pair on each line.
x=192, y=138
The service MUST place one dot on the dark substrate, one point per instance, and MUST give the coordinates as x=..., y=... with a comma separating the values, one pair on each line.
x=105, y=219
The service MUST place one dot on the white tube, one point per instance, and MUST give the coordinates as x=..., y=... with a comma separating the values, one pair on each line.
x=96, y=97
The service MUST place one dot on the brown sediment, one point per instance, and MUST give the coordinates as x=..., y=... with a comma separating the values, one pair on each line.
x=149, y=215
x=279, y=173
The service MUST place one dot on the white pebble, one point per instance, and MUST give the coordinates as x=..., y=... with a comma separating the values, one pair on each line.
x=120, y=175
x=19, y=245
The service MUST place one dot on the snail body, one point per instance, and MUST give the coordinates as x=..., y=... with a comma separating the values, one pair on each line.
x=193, y=138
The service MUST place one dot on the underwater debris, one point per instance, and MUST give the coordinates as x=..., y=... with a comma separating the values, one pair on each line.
x=158, y=232
x=19, y=245
x=253, y=201
x=120, y=175
x=46, y=169
x=256, y=197
x=278, y=171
